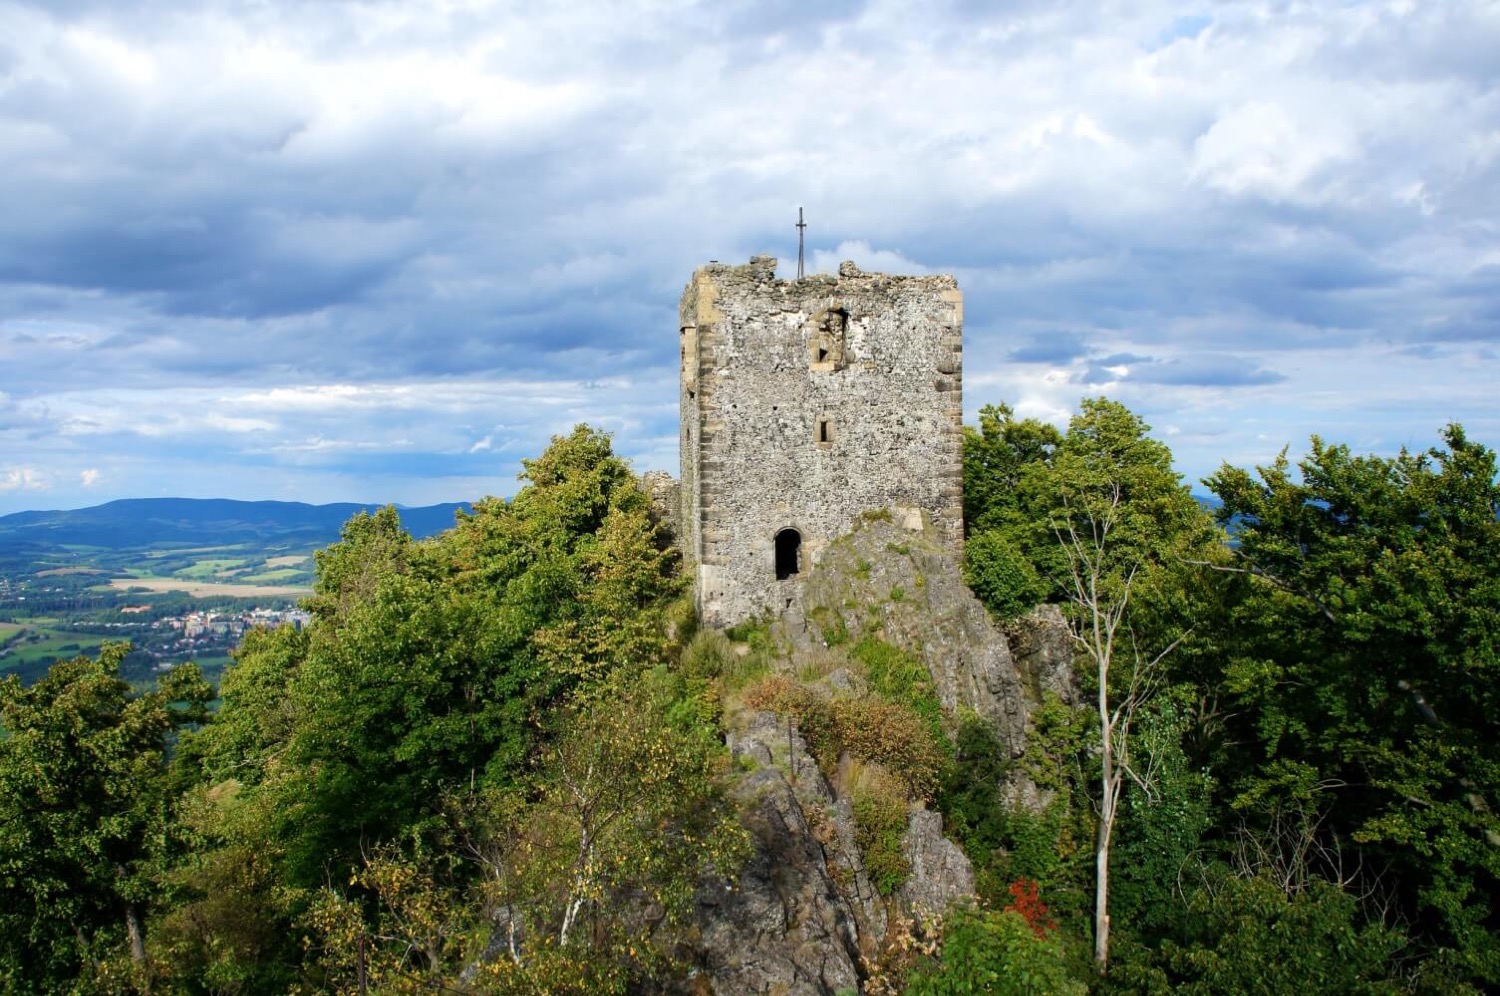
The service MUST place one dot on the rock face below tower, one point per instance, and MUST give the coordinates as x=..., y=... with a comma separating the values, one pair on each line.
x=804, y=404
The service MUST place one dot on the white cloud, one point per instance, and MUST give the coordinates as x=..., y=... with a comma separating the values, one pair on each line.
x=24, y=479
x=303, y=232
x=859, y=252
x=1261, y=148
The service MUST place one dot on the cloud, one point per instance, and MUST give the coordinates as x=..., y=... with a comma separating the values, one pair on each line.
x=1273, y=151
x=859, y=252
x=24, y=479
x=1194, y=371
x=275, y=239
x=1055, y=348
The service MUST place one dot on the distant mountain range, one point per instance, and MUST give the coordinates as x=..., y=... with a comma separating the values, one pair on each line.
x=155, y=522
x=137, y=523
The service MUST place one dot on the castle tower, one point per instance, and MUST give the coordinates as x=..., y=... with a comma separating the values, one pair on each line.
x=804, y=404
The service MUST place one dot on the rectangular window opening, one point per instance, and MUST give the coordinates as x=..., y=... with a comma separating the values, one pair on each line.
x=825, y=431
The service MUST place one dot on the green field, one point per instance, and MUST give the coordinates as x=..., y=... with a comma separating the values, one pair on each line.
x=213, y=665
x=42, y=645
x=274, y=576
x=204, y=569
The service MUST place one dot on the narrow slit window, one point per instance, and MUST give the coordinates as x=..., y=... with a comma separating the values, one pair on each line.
x=825, y=431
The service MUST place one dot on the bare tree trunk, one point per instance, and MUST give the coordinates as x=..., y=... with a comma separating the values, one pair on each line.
x=580, y=888
x=137, y=943
x=133, y=931
x=1101, y=900
x=1110, y=785
x=1096, y=633
x=1109, y=789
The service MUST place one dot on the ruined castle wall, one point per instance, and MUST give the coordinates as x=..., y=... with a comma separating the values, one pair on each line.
x=805, y=403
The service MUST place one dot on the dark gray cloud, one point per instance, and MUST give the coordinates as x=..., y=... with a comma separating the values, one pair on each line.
x=1198, y=371
x=1060, y=347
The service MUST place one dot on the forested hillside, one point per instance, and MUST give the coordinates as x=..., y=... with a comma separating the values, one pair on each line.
x=496, y=760
x=145, y=522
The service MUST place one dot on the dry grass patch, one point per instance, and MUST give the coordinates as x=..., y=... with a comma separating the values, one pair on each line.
x=209, y=589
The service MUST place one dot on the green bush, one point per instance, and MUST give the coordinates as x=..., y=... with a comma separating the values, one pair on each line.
x=738, y=667
x=707, y=655
x=987, y=952
x=836, y=633
x=1005, y=839
x=1246, y=932
x=898, y=676
x=1000, y=575
x=868, y=729
x=880, y=818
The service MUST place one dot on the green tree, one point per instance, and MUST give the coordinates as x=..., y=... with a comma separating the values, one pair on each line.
x=370, y=548
x=1246, y=934
x=1365, y=676
x=997, y=456
x=431, y=668
x=85, y=814
x=587, y=872
x=1097, y=520
x=1000, y=575
x=1126, y=536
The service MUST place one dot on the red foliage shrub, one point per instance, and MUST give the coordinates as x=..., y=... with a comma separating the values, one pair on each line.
x=1025, y=900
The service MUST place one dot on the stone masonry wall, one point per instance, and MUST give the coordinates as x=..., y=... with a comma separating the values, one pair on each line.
x=805, y=403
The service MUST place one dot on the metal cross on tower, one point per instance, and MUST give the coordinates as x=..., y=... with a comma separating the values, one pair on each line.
x=801, y=257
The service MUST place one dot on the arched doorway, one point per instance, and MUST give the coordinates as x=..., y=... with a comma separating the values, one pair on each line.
x=788, y=553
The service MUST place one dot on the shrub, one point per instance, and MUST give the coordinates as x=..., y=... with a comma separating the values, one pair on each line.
x=893, y=735
x=1025, y=899
x=987, y=952
x=898, y=676
x=1238, y=929
x=836, y=633
x=1001, y=576
x=880, y=818
x=868, y=729
x=707, y=655
x=739, y=666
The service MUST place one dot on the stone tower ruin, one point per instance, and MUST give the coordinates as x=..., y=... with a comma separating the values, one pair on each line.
x=806, y=403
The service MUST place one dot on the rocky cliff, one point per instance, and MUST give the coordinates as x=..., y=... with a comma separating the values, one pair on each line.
x=804, y=916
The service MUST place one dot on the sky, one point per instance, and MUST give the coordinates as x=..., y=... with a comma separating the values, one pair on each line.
x=383, y=251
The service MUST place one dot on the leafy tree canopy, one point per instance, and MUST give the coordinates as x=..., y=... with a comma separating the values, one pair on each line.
x=85, y=814
x=1365, y=668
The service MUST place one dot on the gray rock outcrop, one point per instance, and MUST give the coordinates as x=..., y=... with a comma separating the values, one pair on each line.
x=940, y=871
x=803, y=914
x=781, y=926
x=893, y=576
